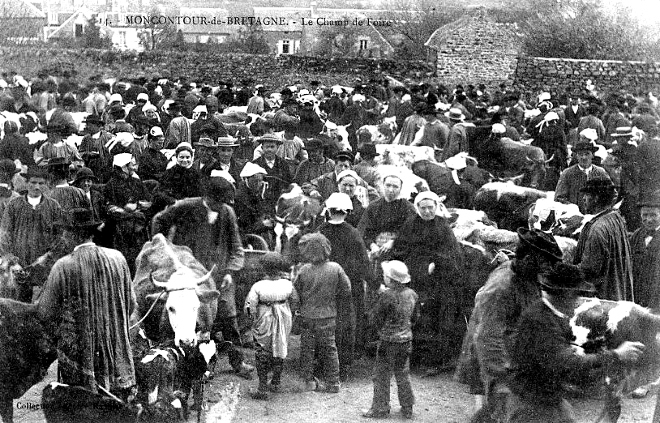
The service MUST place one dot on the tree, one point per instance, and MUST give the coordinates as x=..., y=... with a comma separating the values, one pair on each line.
x=337, y=41
x=581, y=29
x=414, y=21
x=92, y=37
x=251, y=40
x=158, y=34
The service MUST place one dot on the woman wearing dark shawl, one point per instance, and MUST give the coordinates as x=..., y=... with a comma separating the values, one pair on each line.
x=428, y=247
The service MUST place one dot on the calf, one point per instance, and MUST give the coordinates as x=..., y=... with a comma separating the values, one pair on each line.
x=507, y=204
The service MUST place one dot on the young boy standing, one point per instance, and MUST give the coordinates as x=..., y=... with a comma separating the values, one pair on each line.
x=268, y=305
x=395, y=312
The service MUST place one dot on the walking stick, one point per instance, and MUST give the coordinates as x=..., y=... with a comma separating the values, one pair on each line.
x=656, y=412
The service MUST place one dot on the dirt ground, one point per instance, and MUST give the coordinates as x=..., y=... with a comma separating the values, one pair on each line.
x=438, y=399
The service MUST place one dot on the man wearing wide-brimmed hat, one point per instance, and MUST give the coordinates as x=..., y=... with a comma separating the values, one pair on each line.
x=67, y=196
x=278, y=176
x=645, y=246
x=93, y=288
x=573, y=179
x=434, y=132
x=224, y=153
x=544, y=357
x=457, y=139
x=316, y=164
x=603, y=251
x=28, y=227
x=93, y=148
x=510, y=289
x=179, y=129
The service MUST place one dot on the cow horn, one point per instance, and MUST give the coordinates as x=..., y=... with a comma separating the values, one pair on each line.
x=528, y=159
x=550, y=159
x=156, y=282
x=205, y=277
x=170, y=252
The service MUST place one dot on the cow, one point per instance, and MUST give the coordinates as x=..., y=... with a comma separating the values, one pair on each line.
x=176, y=295
x=27, y=351
x=383, y=133
x=296, y=214
x=403, y=155
x=507, y=204
x=517, y=158
x=598, y=325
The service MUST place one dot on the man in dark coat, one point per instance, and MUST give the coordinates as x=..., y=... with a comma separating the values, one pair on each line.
x=152, y=162
x=28, y=228
x=544, y=358
x=88, y=298
x=574, y=112
x=486, y=353
x=572, y=180
x=277, y=170
x=603, y=251
x=645, y=246
x=94, y=148
x=208, y=226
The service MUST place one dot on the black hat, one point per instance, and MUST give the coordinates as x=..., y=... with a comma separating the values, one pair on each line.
x=84, y=173
x=585, y=146
x=566, y=277
x=94, y=119
x=57, y=127
x=598, y=186
x=313, y=144
x=430, y=110
x=542, y=242
x=35, y=172
x=368, y=151
x=344, y=155
x=80, y=217
x=8, y=167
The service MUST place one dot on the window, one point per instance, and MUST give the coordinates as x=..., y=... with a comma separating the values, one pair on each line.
x=79, y=30
x=53, y=18
x=363, y=44
x=285, y=47
x=122, y=38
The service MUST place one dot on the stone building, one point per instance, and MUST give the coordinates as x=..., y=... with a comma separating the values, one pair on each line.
x=475, y=48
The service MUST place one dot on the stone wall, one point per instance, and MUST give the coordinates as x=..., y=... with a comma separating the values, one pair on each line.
x=273, y=71
x=476, y=49
x=534, y=74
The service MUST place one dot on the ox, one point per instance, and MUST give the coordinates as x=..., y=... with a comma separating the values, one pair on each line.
x=507, y=204
x=600, y=324
x=26, y=353
x=382, y=133
x=296, y=214
x=187, y=296
x=517, y=158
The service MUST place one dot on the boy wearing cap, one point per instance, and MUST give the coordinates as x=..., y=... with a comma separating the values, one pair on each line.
x=544, y=357
x=395, y=312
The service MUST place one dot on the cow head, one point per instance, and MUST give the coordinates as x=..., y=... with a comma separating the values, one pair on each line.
x=295, y=212
x=535, y=168
x=10, y=274
x=183, y=294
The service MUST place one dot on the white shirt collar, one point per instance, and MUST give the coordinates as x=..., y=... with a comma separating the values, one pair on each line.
x=587, y=170
x=66, y=184
x=85, y=244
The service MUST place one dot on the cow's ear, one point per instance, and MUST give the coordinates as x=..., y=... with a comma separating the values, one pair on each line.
x=156, y=296
x=207, y=296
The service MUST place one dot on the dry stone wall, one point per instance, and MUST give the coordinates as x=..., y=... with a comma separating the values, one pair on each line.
x=209, y=66
x=535, y=74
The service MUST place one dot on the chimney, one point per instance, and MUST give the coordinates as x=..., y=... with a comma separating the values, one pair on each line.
x=312, y=7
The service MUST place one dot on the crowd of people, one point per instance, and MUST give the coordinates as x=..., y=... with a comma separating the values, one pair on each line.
x=94, y=205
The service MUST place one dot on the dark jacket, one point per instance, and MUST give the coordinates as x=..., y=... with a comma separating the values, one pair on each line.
x=646, y=268
x=324, y=290
x=544, y=360
x=179, y=182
